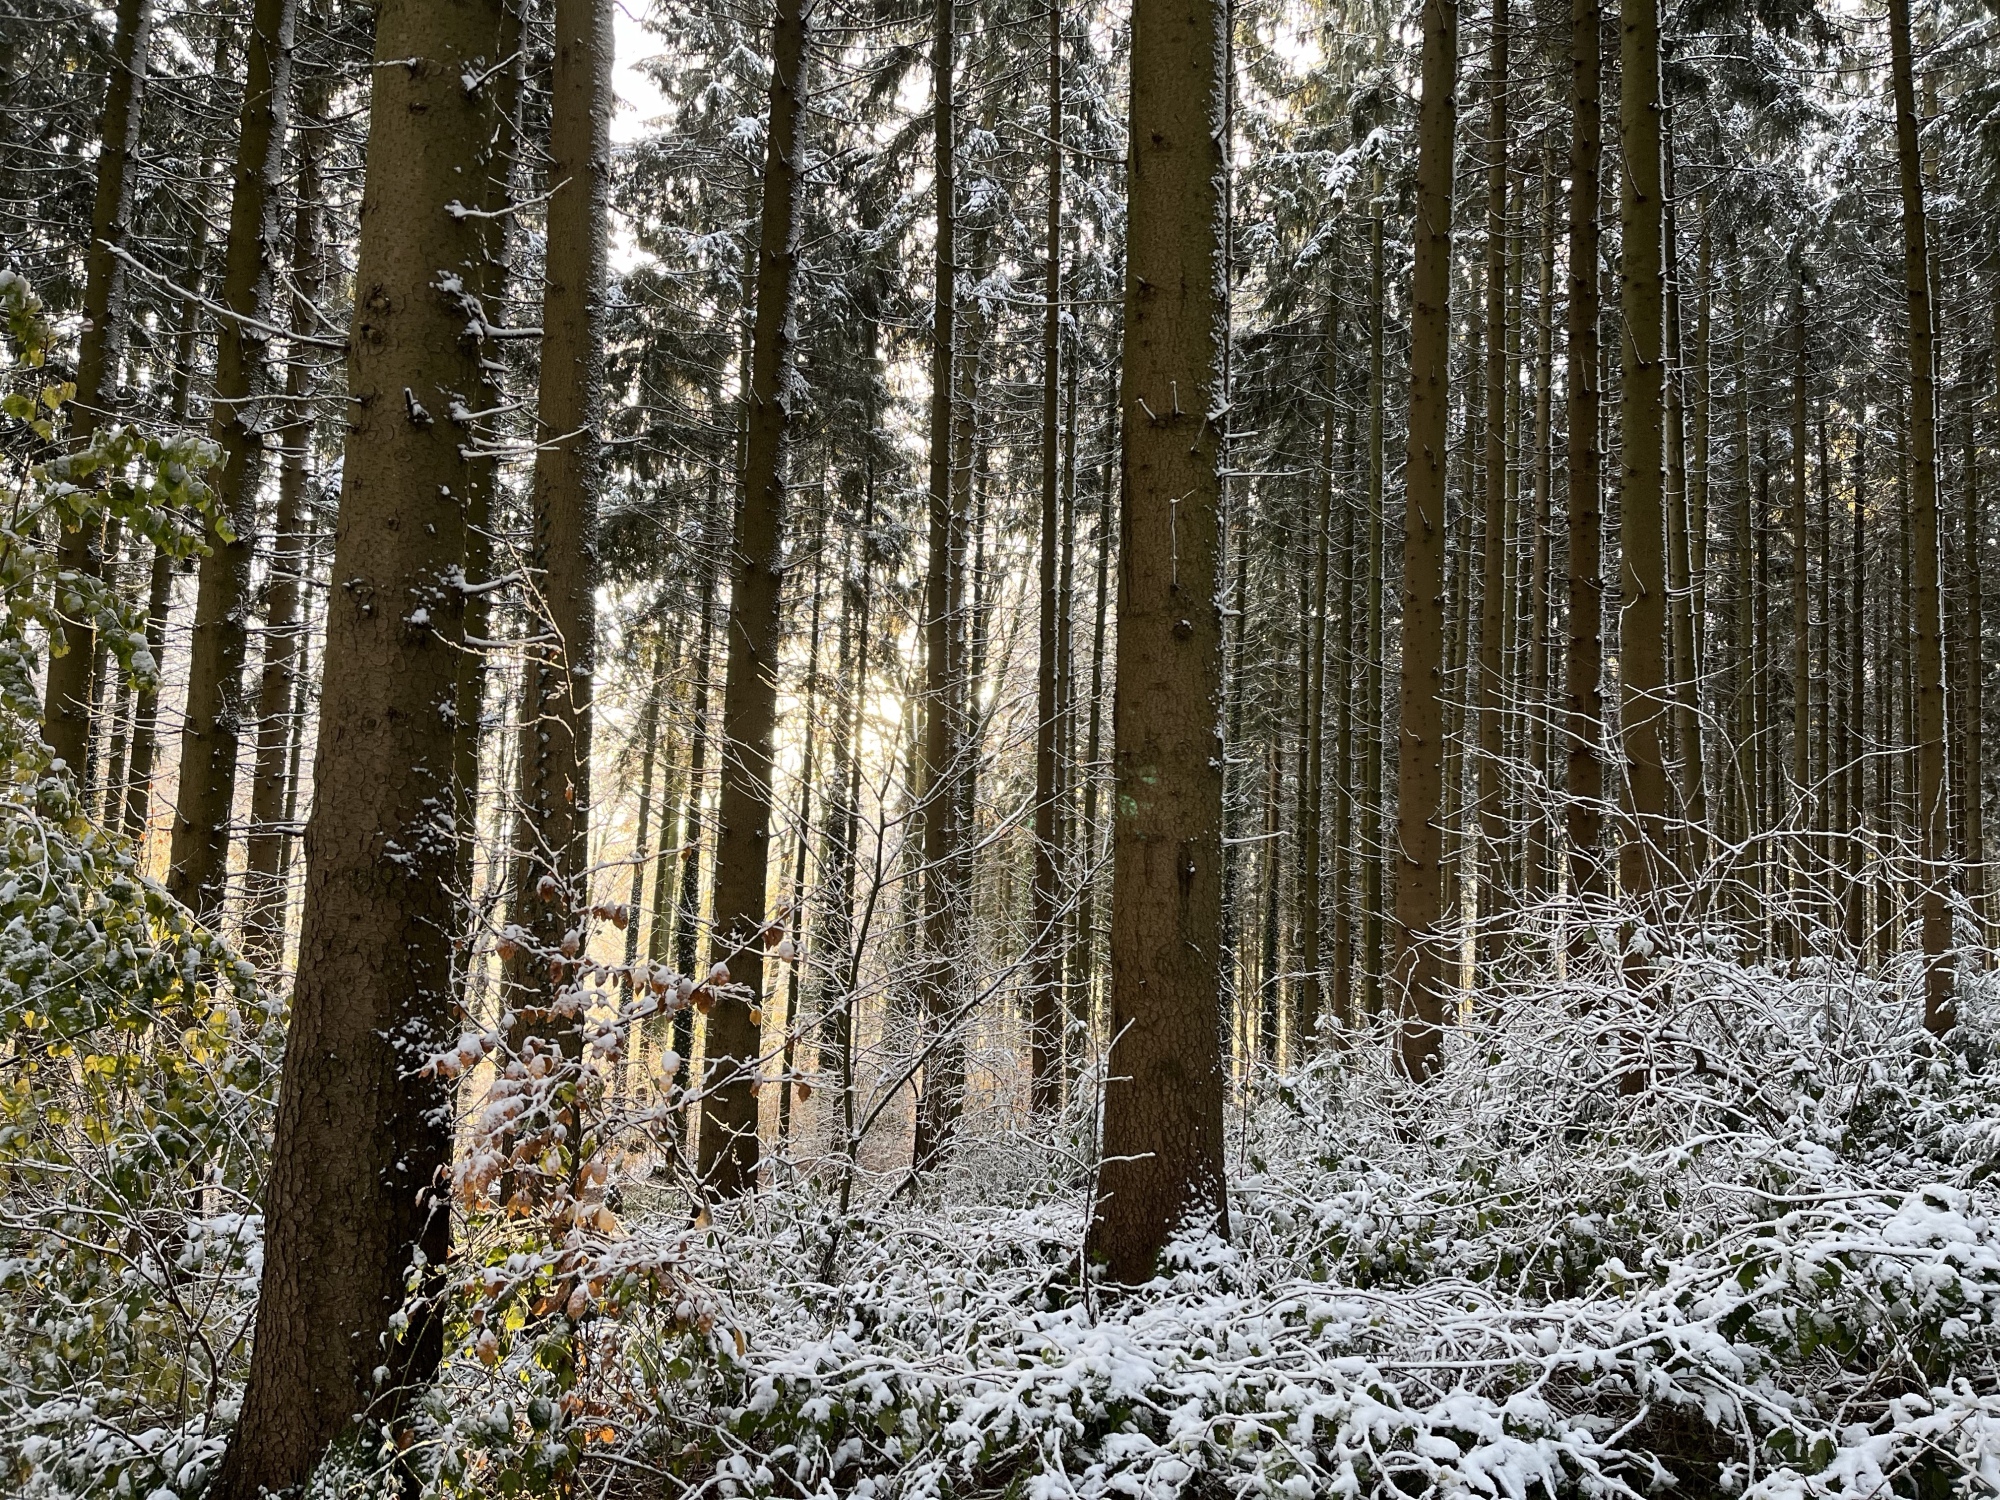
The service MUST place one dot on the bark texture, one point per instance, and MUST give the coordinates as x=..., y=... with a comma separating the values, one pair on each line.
x=361, y=1136
x=1163, y=1139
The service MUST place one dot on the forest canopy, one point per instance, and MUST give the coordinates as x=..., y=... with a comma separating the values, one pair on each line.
x=975, y=748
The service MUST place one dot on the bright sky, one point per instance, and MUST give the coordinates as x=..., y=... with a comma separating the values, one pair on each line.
x=638, y=100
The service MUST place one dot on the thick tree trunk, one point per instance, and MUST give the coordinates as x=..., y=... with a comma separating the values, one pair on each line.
x=362, y=1135
x=66, y=713
x=1940, y=1007
x=1162, y=1169
x=198, y=866
x=1420, y=980
x=728, y=1134
x=1584, y=659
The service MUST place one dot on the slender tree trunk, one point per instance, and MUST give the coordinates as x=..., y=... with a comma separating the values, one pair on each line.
x=1584, y=778
x=1974, y=762
x=270, y=831
x=1420, y=980
x=1375, y=869
x=1083, y=955
x=1045, y=954
x=1495, y=603
x=551, y=883
x=1799, y=905
x=1644, y=699
x=728, y=1144
x=73, y=647
x=1683, y=515
x=1940, y=1008
x=199, y=860
x=495, y=226
x=1162, y=1158
x=1536, y=863
x=1311, y=1008
x=793, y=918
x=1854, y=737
x=363, y=1135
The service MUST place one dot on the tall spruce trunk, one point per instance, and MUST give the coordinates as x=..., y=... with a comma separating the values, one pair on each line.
x=1375, y=857
x=1686, y=516
x=363, y=1136
x=1973, y=763
x=550, y=899
x=1644, y=701
x=942, y=737
x=1799, y=906
x=1537, y=865
x=1310, y=1007
x=284, y=641
x=1045, y=899
x=1495, y=605
x=211, y=732
x=73, y=646
x=1933, y=838
x=1583, y=662
x=1421, y=985
x=728, y=1148
x=1162, y=1163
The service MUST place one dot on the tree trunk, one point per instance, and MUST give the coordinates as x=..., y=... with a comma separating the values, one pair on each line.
x=270, y=832
x=1940, y=1008
x=1644, y=700
x=943, y=915
x=1685, y=514
x=1084, y=953
x=1162, y=1163
x=1974, y=762
x=66, y=715
x=728, y=1144
x=550, y=899
x=1045, y=908
x=1583, y=662
x=1536, y=862
x=362, y=1135
x=1420, y=980
x=198, y=868
x=1494, y=603
x=1375, y=857
x=1311, y=1007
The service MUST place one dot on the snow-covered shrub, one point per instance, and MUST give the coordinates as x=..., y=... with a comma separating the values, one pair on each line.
x=1774, y=1273
x=137, y=1056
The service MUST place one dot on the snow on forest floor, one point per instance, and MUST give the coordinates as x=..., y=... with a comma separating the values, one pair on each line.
x=1776, y=1274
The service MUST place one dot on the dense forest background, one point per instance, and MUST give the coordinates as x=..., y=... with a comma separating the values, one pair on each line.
x=1219, y=747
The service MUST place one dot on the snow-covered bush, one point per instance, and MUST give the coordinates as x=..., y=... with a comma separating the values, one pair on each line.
x=1775, y=1273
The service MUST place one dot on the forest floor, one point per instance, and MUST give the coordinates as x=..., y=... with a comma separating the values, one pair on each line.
x=1775, y=1273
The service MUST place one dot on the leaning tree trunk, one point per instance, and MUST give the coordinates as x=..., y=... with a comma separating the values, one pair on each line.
x=198, y=866
x=1940, y=1007
x=1162, y=1135
x=362, y=1134
x=728, y=1132
x=550, y=901
x=1584, y=661
x=264, y=908
x=1421, y=984
x=66, y=715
